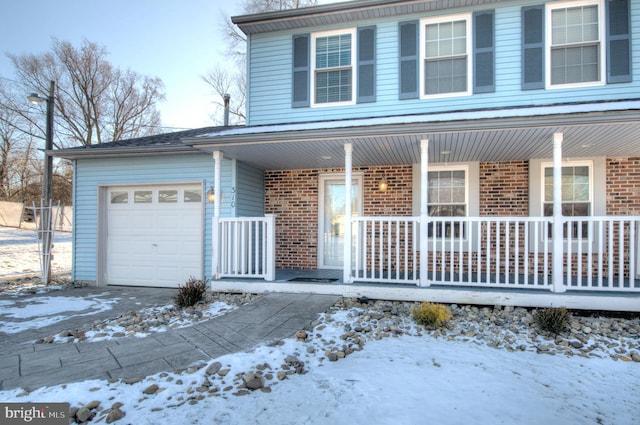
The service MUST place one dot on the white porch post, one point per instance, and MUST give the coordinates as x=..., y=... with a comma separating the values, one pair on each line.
x=348, y=180
x=215, y=230
x=424, y=212
x=557, y=269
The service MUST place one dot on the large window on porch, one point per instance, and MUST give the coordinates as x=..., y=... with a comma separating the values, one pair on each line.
x=448, y=197
x=577, y=195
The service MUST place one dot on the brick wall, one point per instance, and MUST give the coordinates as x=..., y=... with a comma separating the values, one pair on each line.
x=504, y=188
x=623, y=186
x=293, y=196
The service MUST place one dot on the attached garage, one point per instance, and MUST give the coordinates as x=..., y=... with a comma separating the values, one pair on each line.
x=153, y=235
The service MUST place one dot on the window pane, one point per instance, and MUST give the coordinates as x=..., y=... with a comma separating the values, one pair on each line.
x=333, y=51
x=446, y=76
x=118, y=197
x=192, y=196
x=575, y=189
x=334, y=86
x=142, y=196
x=575, y=54
x=447, y=193
x=168, y=196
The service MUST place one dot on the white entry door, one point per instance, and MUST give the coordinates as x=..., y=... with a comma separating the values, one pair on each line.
x=331, y=218
x=154, y=235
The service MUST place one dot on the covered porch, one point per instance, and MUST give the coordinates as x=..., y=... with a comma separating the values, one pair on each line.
x=488, y=258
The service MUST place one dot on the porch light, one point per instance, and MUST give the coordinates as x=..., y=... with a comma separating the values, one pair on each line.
x=211, y=195
x=383, y=185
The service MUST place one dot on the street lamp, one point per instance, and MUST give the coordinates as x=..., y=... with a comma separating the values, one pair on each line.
x=47, y=180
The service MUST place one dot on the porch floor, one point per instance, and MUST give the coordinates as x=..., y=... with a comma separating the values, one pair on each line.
x=330, y=282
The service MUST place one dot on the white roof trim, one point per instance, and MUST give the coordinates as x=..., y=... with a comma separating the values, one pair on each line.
x=536, y=111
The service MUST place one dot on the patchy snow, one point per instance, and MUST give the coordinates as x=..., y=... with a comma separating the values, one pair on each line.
x=19, y=252
x=111, y=329
x=37, y=312
x=411, y=379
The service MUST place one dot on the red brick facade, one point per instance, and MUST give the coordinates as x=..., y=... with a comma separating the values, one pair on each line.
x=623, y=186
x=504, y=188
x=293, y=196
x=504, y=191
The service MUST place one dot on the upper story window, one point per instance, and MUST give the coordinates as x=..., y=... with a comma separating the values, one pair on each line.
x=334, y=68
x=333, y=59
x=447, y=56
x=576, y=44
x=575, y=37
x=446, y=61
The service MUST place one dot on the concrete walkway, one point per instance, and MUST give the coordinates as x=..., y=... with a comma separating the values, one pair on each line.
x=24, y=364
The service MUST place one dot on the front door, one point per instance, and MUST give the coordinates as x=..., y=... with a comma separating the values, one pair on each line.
x=331, y=218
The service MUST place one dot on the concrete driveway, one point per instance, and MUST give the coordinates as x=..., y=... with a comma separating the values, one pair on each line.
x=25, y=364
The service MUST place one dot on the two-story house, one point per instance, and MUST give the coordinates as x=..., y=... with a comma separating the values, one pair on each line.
x=458, y=151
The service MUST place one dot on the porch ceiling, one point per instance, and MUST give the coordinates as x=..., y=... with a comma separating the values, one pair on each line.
x=611, y=133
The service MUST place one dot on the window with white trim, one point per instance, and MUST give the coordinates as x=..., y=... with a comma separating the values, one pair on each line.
x=448, y=196
x=333, y=58
x=577, y=193
x=575, y=46
x=446, y=62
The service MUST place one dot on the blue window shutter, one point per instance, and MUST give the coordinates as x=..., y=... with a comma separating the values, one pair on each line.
x=483, y=52
x=409, y=60
x=618, y=42
x=533, y=47
x=366, y=65
x=301, y=71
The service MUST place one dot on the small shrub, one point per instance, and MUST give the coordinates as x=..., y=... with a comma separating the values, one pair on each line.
x=190, y=293
x=552, y=319
x=431, y=315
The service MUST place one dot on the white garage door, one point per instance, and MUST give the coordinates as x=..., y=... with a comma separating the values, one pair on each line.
x=154, y=235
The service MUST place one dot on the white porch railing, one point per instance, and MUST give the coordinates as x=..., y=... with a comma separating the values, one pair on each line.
x=245, y=247
x=490, y=252
x=386, y=250
x=505, y=252
x=605, y=253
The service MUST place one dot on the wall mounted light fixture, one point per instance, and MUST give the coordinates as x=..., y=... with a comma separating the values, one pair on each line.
x=383, y=185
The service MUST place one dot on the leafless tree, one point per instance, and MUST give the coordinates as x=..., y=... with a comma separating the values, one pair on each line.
x=95, y=102
x=232, y=78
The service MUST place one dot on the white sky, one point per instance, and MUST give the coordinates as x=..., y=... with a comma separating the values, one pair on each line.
x=177, y=41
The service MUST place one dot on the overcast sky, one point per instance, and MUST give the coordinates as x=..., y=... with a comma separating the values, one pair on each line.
x=175, y=40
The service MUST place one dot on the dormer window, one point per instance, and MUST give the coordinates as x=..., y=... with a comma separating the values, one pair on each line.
x=333, y=59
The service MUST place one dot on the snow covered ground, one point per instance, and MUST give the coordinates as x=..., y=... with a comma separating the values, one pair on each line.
x=19, y=252
x=416, y=378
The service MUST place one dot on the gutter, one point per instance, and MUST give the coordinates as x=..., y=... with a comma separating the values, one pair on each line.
x=75, y=153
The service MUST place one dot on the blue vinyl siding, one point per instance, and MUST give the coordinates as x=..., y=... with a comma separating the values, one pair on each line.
x=270, y=74
x=249, y=191
x=90, y=173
